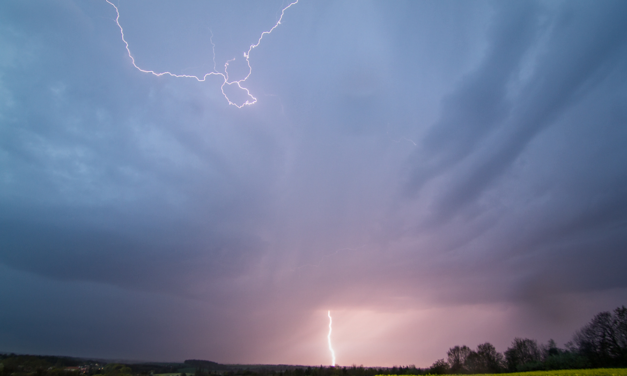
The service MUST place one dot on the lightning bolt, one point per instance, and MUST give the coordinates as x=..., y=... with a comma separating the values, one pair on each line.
x=329, y=339
x=225, y=75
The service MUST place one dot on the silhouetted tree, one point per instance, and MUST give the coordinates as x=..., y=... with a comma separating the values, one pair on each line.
x=485, y=360
x=604, y=340
x=473, y=363
x=549, y=350
x=457, y=358
x=555, y=358
x=440, y=367
x=521, y=352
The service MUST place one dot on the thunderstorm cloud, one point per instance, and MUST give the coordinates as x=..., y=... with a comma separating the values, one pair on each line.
x=435, y=173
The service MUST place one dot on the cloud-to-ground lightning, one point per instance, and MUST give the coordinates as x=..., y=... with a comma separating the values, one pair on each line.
x=225, y=75
x=329, y=339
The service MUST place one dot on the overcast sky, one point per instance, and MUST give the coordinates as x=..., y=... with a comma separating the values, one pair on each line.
x=435, y=173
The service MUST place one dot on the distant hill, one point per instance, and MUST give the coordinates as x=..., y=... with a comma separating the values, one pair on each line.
x=204, y=364
x=208, y=365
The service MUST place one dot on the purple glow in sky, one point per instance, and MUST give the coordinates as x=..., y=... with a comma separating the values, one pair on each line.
x=435, y=173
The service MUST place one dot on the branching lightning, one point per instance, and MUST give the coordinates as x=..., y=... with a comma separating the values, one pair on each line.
x=329, y=339
x=401, y=139
x=225, y=75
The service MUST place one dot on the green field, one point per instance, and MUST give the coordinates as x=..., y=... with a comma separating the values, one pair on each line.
x=188, y=371
x=566, y=372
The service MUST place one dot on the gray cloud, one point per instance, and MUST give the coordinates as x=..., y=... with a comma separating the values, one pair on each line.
x=406, y=165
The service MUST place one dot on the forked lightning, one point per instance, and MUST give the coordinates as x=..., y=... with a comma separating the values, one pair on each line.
x=225, y=75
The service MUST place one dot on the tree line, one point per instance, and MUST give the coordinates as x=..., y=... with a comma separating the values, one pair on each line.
x=600, y=343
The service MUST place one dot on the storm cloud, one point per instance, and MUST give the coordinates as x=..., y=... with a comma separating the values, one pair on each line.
x=435, y=173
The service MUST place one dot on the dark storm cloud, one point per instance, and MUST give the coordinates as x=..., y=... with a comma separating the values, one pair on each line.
x=584, y=46
x=407, y=166
x=481, y=103
x=90, y=196
x=578, y=56
x=563, y=76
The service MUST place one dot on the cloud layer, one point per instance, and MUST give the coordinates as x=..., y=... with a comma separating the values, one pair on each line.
x=435, y=173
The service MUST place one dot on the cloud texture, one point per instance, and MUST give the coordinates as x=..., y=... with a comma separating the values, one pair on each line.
x=435, y=173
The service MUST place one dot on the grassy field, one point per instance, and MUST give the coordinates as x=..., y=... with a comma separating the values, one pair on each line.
x=566, y=372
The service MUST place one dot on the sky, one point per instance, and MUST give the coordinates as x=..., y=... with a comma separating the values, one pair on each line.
x=434, y=173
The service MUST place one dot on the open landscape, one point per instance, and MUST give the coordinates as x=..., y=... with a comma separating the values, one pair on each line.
x=313, y=187
x=601, y=343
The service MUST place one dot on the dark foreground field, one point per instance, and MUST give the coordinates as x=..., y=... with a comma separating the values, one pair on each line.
x=36, y=365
